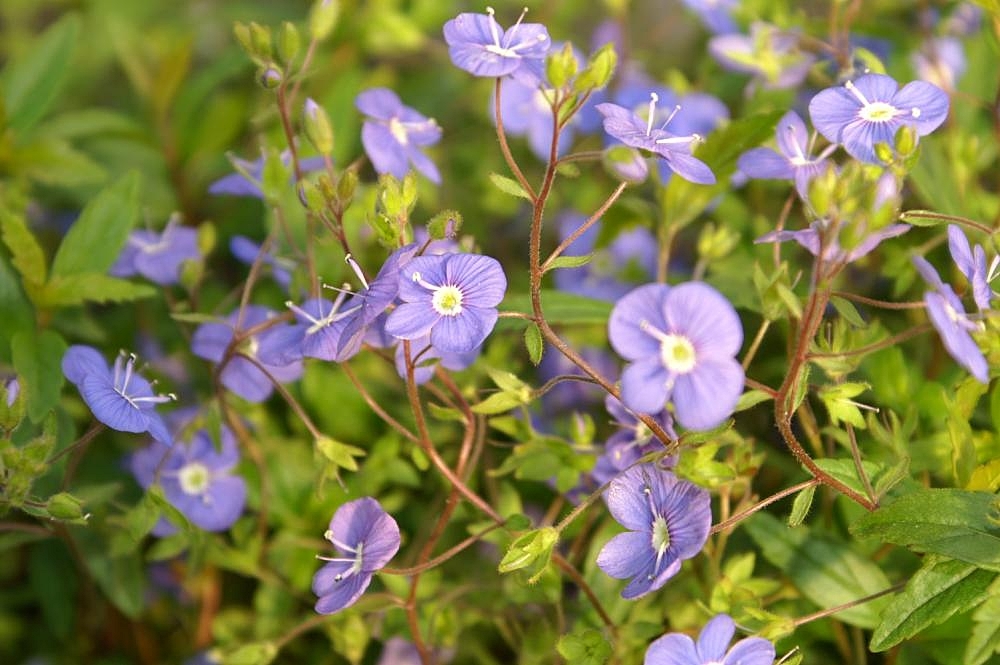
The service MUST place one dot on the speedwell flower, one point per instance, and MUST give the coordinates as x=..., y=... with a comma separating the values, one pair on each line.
x=793, y=162
x=771, y=54
x=680, y=342
x=119, y=398
x=367, y=538
x=158, y=256
x=477, y=44
x=452, y=297
x=631, y=442
x=393, y=134
x=711, y=648
x=871, y=109
x=812, y=240
x=668, y=521
x=972, y=262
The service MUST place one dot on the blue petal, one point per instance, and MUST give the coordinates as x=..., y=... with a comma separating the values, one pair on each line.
x=379, y=103
x=930, y=102
x=335, y=595
x=81, y=361
x=644, y=386
x=765, y=163
x=110, y=407
x=706, y=396
x=713, y=642
x=751, y=651
x=384, y=150
x=627, y=555
x=672, y=649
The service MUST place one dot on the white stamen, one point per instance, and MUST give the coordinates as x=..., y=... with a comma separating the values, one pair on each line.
x=357, y=270
x=857, y=93
x=653, y=98
x=670, y=117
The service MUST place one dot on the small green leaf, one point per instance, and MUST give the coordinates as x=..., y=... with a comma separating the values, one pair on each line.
x=496, y=403
x=254, y=653
x=26, y=254
x=533, y=342
x=569, y=262
x=97, y=237
x=801, y=505
x=942, y=587
x=751, y=398
x=847, y=310
x=38, y=360
x=340, y=454
x=509, y=186
x=587, y=647
x=530, y=552
x=91, y=287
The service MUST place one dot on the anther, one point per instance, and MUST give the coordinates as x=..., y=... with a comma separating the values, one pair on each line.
x=357, y=270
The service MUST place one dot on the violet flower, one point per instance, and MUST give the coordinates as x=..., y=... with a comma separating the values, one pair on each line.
x=393, y=134
x=715, y=14
x=452, y=297
x=240, y=375
x=972, y=262
x=812, y=238
x=769, y=53
x=630, y=129
x=246, y=251
x=319, y=332
x=793, y=162
x=119, y=398
x=941, y=61
x=680, y=342
x=158, y=256
x=197, y=479
x=711, y=648
x=238, y=184
x=668, y=521
x=367, y=537
x=631, y=442
x=477, y=44
x=870, y=110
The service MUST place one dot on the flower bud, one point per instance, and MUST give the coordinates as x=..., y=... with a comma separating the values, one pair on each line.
x=345, y=187
x=11, y=404
x=269, y=77
x=289, y=42
x=561, y=65
x=323, y=18
x=317, y=127
x=65, y=506
x=597, y=74
x=260, y=40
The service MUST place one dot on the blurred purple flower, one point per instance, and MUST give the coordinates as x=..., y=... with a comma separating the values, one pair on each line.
x=477, y=44
x=712, y=647
x=158, y=256
x=715, y=14
x=367, y=537
x=197, y=480
x=119, y=398
x=941, y=61
x=452, y=297
x=13, y=388
x=631, y=442
x=572, y=395
x=871, y=109
x=237, y=184
x=972, y=262
x=793, y=162
x=394, y=133
x=668, y=521
x=526, y=111
x=240, y=375
x=680, y=342
x=246, y=251
x=770, y=54
x=948, y=316
x=812, y=238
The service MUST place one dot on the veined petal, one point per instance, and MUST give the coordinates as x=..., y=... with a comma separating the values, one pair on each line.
x=339, y=594
x=859, y=138
x=765, y=163
x=703, y=315
x=876, y=87
x=626, y=555
x=927, y=103
x=379, y=103
x=464, y=332
x=481, y=278
x=411, y=320
x=713, y=641
x=423, y=164
x=110, y=407
x=672, y=649
x=81, y=361
x=644, y=386
x=642, y=584
x=687, y=166
x=625, y=327
x=751, y=651
x=384, y=150
x=833, y=109
x=628, y=503
x=706, y=396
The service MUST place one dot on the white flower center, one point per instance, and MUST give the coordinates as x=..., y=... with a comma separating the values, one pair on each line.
x=505, y=50
x=355, y=562
x=398, y=131
x=878, y=112
x=194, y=478
x=447, y=300
x=677, y=353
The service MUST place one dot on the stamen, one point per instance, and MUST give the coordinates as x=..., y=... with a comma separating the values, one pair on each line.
x=329, y=536
x=915, y=112
x=418, y=278
x=303, y=313
x=670, y=117
x=493, y=27
x=857, y=93
x=514, y=27
x=991, y=274
x=357, y=270
x=799, y=154
x=653, y=98
x=677, y=140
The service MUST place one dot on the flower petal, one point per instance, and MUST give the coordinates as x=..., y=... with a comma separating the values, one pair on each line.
x=644, y=386
x=627, y=555
x=672, y=649
x=751, y=651
x=384, y=150
x=713, y=641
x=338, y=595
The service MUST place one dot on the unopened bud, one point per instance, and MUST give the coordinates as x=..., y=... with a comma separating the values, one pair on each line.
x=242, y=33
x=65, y=506
x=345, y=187
x=317, y=127
x=289, y=42
x=269, y=78
x=323, y=18
x=260, y=40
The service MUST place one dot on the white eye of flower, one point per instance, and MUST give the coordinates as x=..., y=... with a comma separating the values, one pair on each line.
x=194, y=478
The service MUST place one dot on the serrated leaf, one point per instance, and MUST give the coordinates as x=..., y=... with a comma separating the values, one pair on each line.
x=533, y=342
x=954, y=523
x=942, y=587
x=801, y=505
x=38, y=360
x=509, y=186
x=100, y=232
x=25, y=252
x=91, y=287
x=31, y=83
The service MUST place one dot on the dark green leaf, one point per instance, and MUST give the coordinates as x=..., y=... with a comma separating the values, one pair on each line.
x=801, y=505
x=587, y=647
x=55, y=593
x=96, y=238
x=561, y=308
x=942, y=587
x=38, y=360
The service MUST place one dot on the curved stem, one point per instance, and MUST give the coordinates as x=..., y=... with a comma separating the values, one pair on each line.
x=580, y=230
x=883, y=304
x=846, y=606
x=739, y=517
x=941, y=217
x=505, y=148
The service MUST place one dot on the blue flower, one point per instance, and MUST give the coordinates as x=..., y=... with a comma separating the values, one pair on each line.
x=158, y=256
x=197, y=480
x=318, y=333
x=394, y=133
x=812, y=238
x=972, y=262
x=246, y=251
x=712, y=647
x=680, y=342
x=631, y=442
x=769, y=53
x=630, y=129
x=948, y=317
x=870, y=110
x=668, y=521
x=481, y=47
x=240, y=375
x=367, y=538
x=794, y=162
x=452, y=297
x=715, y=14
x=119, y=398
x=238, y=184
x=940, y=61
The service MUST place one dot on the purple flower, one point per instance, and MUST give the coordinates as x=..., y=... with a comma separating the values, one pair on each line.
x=715, y=14
x=367, y=537
x=769, y=53
x=668, y=521
x=240, y=375
x=119, y=398
x=680, y=342
x=972, y=262
x=793, y=162
x=366, y=319
x=812, y=238
x=871, y=109
x=425, y=356
x=452, y=297
x=481, y=47
x=631, y=130
x=711, y=649
x=238, y=184
x=526, y=111
x=940, y=61
x=246, y=251
x=630, y=443
x=158, y=256
x=196, y=479
x=319, y=332
x=952, y=323
x=394, y=133
x=13, y=388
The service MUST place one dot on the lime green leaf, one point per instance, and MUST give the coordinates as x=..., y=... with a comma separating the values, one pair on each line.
x=25, y=252
x=55, y=162
x=533, y=342
x=509, y=186
x=942, y=587
x=497, y=403
x=957, y=524
x=96, y=238
x=985, y=638
x=587, y=647
x=255, y=653
x=62, y=291
x=561, y=308
x=569, y=262
x=801, y=505
x=751, y=398
x=31, y=84
x=38, y=360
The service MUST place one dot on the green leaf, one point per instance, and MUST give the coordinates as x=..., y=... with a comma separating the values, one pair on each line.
x=254, y=653
x=801, y=505
x=17, y=313
x=38, y=360
x=751, y=398
x=31, y=83
x=509, y=186
x=942, y=587
x=497, y=403
x=531, y=551
x=340, y=454
x=55, y=162
x=561, y=308
x=91, y=287
x=25, y=252
x=826, y=571
x=985, y=638
x=97, y=237
x=569, y=262
x=957, y=524
x=847, y=310
x=587, y=647
x=533, y=342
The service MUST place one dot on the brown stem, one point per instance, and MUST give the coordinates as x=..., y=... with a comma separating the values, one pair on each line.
x=846, y=606
x=594, y=218
x=505, y=148
x=742, y=515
